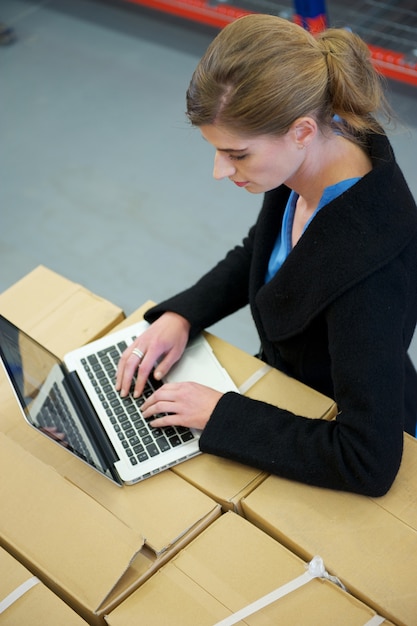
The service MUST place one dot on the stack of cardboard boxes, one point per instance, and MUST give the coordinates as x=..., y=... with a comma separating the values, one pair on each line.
x=197, y=543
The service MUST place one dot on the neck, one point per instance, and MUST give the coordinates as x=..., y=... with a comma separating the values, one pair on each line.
x=327, y=162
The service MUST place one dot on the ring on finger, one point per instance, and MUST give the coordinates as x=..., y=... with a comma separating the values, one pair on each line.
x=138, y=353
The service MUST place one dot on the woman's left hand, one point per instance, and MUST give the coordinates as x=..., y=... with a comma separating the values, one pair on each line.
x=187, y=404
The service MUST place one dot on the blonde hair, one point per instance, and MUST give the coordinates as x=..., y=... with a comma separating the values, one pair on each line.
x=261, y=73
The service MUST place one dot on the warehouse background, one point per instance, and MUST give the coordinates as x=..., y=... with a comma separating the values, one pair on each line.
x=102, y=179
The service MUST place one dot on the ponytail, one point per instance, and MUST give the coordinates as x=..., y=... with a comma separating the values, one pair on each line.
x=355, y=89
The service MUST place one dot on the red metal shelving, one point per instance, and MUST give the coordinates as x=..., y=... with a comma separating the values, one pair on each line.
x=393, y=64
x=197, y=10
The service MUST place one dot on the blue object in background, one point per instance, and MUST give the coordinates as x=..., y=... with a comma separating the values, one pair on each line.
x=311, y=15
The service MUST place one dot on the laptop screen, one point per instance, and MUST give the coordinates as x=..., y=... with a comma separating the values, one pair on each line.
x=28, y=364
x=44, y=393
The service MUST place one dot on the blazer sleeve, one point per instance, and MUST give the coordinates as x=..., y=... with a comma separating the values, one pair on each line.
x=360, y=451
x=219, y=293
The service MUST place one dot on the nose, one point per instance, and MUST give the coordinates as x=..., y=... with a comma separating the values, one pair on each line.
x=223, y=167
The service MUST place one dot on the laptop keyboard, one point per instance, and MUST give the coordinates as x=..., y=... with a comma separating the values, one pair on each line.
x=139, y=440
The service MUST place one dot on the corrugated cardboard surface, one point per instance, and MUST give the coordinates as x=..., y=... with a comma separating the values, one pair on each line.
x=227, y=567
x=57, y=312
x=225, y=481
x=66, y=538
x=369, y=543
x=36, y=607
x=90, y=555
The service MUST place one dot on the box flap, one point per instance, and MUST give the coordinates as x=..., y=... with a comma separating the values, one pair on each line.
x=57, y=312
x=151, y=507
x=145, y=565
x=163, y=507
x=44, y=510
x=227, y=567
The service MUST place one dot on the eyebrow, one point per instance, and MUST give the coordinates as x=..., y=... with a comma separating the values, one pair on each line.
x=232, y=149
x=228, y=149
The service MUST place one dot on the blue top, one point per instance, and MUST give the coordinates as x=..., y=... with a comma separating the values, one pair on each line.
x=283, y=244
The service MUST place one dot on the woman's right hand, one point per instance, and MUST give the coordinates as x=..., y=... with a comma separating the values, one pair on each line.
x=161, y=345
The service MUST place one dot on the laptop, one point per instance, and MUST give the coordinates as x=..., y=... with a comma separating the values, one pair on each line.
x=74, y=401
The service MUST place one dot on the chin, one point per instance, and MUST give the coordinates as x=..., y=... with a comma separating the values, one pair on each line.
x=254, y=189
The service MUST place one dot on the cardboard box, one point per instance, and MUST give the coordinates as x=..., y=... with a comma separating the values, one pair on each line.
x=154, y=518
x=35, y=605
x=93, y=542
x=369, y=543
x=223, y=480
x=57, y=312
x=226, y=568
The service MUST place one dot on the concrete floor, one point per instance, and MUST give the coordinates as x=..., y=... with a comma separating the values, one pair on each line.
x=102, y=178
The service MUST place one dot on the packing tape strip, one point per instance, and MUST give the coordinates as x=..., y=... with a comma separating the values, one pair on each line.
x=316, y=569
x=18, y=593
x=375, y=621
x=250, y=382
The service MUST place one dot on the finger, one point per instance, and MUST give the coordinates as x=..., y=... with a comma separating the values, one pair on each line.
x=165, y=364
x=166, y=393
x=138, y=353
x=128, y=366
x=166, y=420
x=157, y=408
x=142, y=376
x=121, y=368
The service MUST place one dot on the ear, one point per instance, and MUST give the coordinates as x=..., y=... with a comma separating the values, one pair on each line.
x=304, y=129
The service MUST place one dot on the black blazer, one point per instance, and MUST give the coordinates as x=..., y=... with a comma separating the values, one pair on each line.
x=339, y=316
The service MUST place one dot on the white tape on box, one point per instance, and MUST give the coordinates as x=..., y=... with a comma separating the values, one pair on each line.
x=315, y=569
x=17, y=593
x=250, y=382
x=375, y=621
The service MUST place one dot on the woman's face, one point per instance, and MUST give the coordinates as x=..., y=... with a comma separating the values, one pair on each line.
x=257, y=164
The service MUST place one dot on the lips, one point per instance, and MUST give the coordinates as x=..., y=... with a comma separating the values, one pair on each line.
x=240, y=184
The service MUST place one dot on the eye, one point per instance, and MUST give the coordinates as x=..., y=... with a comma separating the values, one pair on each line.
x=239, y=157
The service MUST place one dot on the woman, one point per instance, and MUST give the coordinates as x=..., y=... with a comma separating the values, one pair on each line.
x=329, y=269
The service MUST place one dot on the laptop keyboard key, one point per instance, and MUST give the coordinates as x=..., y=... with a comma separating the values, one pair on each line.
x=140, y=440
